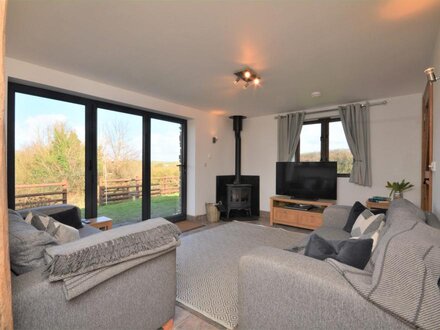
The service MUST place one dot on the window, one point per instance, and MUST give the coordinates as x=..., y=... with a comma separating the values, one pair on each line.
x=109, y=160
x=49, y=152
x=324, y=140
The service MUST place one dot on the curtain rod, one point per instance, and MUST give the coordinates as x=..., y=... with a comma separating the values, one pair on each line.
x=372, y=104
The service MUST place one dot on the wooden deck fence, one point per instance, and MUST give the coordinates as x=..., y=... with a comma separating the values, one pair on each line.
x=126, y=189
x=34, y=195
x=56, y=193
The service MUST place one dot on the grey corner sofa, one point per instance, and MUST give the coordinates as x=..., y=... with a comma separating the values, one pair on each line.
x=142, y=297
x=280, y=289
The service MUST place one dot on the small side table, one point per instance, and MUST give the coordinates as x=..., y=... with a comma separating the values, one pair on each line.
x=102, y=223
x=376, y=205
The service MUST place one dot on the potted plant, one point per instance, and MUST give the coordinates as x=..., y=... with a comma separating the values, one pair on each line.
x=397, y=188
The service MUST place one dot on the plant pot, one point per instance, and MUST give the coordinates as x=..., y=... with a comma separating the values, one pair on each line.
x=397, y=195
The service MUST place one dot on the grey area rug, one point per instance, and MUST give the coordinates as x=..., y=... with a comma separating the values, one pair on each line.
x=207, y=266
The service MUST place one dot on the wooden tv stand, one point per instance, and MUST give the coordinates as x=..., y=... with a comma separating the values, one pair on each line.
x=310, y=219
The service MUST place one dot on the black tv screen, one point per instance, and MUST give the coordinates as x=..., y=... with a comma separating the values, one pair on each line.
x=307, y=180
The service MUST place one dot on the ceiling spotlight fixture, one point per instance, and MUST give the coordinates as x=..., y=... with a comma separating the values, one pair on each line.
x=316, y=94
x=430, y=74
x=248, y=76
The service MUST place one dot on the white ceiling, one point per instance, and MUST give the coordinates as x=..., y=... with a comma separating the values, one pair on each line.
x=187, y=51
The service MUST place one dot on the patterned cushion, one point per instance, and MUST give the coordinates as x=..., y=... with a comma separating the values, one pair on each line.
x=60, y=232
x=366, y=223
x=375, y=235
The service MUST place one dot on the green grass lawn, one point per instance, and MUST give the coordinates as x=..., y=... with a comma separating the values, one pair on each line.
x=129, y=211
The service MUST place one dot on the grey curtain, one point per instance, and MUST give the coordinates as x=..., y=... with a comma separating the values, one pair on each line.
x=289, y=130
x=356, y=123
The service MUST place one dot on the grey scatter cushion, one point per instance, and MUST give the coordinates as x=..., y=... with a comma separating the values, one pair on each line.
x=366, y=223
x=60, y=232
x=26, y=245
x=14, y=215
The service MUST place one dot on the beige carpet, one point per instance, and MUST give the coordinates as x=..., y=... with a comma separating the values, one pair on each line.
x=207, y=266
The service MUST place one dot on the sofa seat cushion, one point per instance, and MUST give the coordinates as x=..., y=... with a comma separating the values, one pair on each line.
x=26, y=244
x=334, y=234
x=88, y=230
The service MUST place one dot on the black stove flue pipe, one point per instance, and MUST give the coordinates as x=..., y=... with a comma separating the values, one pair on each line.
x=237, y=126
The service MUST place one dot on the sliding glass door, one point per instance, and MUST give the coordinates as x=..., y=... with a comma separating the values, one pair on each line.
x=167, y=168
x=49, y=152
x=119, y=155
x=124, y=163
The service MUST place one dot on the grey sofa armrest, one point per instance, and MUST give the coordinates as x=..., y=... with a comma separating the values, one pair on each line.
x=283, y=290
x=111, y=247
x=336, y=216
x=142, y=297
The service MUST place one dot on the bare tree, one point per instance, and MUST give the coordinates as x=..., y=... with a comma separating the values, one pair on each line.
x=117, y=144
x=120, y=158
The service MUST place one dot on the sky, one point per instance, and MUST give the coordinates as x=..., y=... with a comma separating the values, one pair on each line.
x=310, y=137
x=33, y=114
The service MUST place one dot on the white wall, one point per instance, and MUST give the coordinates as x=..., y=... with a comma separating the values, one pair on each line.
x=436, y=157
x=205, y=160
x=395, y=147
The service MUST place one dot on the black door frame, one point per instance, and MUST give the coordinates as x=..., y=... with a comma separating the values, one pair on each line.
x=91, y=108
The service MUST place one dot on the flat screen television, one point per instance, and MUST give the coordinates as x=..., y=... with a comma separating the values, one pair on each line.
x=307, y=180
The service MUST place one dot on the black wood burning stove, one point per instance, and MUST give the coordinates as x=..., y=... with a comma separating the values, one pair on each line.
x=238, y=194
x=238, y=198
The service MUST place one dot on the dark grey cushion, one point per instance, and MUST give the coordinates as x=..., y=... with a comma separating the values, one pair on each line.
x=26, y=245
x=65, y=213
x=352, y=252
x=355, y=211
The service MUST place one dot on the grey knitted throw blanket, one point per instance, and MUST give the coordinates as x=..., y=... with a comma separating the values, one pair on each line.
x=87, y=262
x=404, y=281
